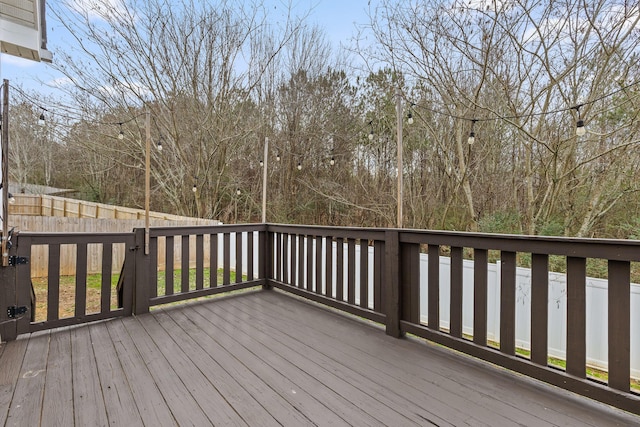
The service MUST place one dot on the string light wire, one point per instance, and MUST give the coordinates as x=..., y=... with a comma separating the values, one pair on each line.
x=81, y=117
x=529, y=115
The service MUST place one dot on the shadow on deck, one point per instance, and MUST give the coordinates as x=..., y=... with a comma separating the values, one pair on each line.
x=266, y=358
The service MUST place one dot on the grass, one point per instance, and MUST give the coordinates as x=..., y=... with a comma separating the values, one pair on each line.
x=177, y=279
x=592, y=373
x=67, y=301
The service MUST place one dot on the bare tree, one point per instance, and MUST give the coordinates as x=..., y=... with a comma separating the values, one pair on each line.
x=516, y=69
x=198, y=68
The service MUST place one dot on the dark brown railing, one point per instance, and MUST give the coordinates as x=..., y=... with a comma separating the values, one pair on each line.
x=319, y=263
x=80, y=247
x=191, y=281
x=372, y=273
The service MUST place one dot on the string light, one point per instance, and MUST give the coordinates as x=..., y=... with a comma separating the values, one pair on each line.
x=261, y=163
x=410, y=114
x=580, y=123
x=299, y=166
x=333, y=147
x=580, y=129
x=238, y=192
x=159, y=145
x=194, y=189
x=472, y=134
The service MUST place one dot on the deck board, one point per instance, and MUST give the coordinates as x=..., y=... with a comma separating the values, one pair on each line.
x=445, y=372
x=201, y=388
x=266, y=358
x=11, y=365
x=153, y=409
x=235, y=395
x=357, y=368
x=341, y=398
x=395, y=374
x=281, y=410
x=58, y=390
x=27, y=397
x=301, y=399
x=119, y=403
x=88, y=402
x=371, y=397
x=182, y=405
x=439, y=381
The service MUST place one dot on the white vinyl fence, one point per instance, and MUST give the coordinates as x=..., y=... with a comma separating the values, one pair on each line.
x=597, y=310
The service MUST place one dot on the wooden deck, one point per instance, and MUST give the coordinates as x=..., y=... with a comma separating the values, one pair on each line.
x=265, y=358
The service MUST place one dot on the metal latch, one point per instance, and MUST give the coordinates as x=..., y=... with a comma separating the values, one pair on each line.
x=18, y=260
x=13, y=312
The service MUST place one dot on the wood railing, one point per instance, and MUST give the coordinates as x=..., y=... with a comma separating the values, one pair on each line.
x=49, y=246
x=212, y=250
x=331, y=266
x=372, y=273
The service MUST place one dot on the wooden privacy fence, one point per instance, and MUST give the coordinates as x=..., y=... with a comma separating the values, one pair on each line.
x=39, y=254
x=333, y=266
x=43, y=213
x=63, y=207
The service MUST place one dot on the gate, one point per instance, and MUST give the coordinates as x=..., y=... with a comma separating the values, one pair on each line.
x=78, y=264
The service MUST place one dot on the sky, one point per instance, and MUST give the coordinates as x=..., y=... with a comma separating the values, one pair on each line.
x=338, y=17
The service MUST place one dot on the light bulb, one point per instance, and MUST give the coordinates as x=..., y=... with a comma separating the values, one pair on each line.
x=194, y=189
x=332, y=161
x=159, y=145
x=41, y=119
x=121, y=134
x=371, y=136
x=261, y=163
x=472, y=138
x=410, y=118
x=580, y=129
x=238, y=192
x=299, y=166
x=277, y=157
x=12, y=200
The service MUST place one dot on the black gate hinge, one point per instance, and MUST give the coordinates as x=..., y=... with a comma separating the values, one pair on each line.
x=18, y=260
x=13, y=311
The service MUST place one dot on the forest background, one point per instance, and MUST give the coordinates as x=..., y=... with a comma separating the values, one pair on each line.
x=218, y=77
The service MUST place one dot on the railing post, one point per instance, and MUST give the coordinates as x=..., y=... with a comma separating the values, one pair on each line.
x=141, y=282
x=392, y=284
x=8, y=330
x=619, y=324
x=265, y=257
x=23, y=287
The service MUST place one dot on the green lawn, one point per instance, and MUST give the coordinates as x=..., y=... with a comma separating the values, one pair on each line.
x=94, y=285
